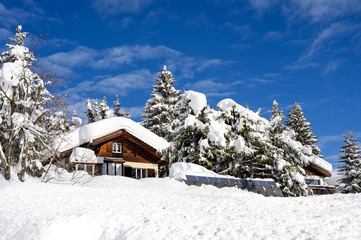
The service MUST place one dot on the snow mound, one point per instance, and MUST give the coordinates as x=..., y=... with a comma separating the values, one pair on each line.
x=179, y=171
x=197, y=100
x=227, y=104
x=80, y=154
x=104, y=127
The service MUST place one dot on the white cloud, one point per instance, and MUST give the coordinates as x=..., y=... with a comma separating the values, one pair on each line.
x=262, y=5
x=220, y=89
x=112, y=7
x=136, y=112
x=320, y=10
x=112, y=58
x=30, y=13
x=120, y=84
x=273, y=36
x=332, y=66
x=5, y=34
x=325, y=38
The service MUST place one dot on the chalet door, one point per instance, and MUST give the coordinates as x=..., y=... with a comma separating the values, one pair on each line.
x=128, y=171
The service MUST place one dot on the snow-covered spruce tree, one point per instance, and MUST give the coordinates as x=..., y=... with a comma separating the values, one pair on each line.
x=297, y=122
x=104, y=109
x=191, y=143
x=351, y=165
x=75, y=121
x=195, y=138
x=117, y=105
x=96, y=110
x=127, y=114
x=26, y=122
x=89, y=111
x=248, y=150
x=288, y=168
x=160, y=110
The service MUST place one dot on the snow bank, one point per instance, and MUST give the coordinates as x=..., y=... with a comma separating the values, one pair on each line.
x=179, y=171
x=168, y=209
x=80, y=154
x=104, y=127
x=197, y=100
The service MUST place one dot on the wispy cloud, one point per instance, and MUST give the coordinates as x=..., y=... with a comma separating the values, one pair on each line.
x=273, y=36
x=333, y=66
x=262, y=6
x=29, y=13
x=201, y=20
x=113, y=7
x=243, y=30
x=112, y=58
x=121, y=85
x=325, y=38
x=5, y=34
x=321, y=10
x=220, y=89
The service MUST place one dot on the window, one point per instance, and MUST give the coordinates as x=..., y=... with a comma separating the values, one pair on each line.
x=312, y=181
x=117, y=147
x=139, y=173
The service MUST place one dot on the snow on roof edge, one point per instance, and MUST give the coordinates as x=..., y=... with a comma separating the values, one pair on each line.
x=107, y=126
x=321, y=163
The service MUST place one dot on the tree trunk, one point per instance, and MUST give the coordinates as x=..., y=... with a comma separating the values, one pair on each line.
x=7, y=174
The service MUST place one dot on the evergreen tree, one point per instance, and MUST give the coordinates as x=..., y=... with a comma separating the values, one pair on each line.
x=89, y=111
x=127, y=113
x=160, y=110
x=297, y=122
x=27, y=124
x=117, y=105
x=351, y=165
x=191, y=143
x=288, y=169
x=104, y=109
x=96, y=110
x=75, y=121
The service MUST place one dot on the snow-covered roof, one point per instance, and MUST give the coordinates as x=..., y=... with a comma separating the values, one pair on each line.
x=319, y=162
x=107, y=126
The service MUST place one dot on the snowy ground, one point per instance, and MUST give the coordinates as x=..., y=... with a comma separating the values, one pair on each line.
x=109, y=207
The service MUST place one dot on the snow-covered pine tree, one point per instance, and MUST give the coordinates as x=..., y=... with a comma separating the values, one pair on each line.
x=247, y=153
x=297, y=122
x=288, y=169
x=191, y=143
x=27, y=125
x=96, y=110
x=104, y=109
x=160, y=110
x=117, y=105
x=127, y=113
x=89, y=111
x=75, y=121
x=351, y=165
x=257, y=162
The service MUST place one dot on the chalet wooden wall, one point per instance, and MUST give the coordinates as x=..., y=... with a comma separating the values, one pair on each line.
x=129, y=153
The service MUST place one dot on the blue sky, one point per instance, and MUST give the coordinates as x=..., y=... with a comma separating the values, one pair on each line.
x=251, y=51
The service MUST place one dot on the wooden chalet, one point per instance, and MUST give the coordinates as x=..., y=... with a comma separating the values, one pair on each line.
x=315, y=174
x=122, y=147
